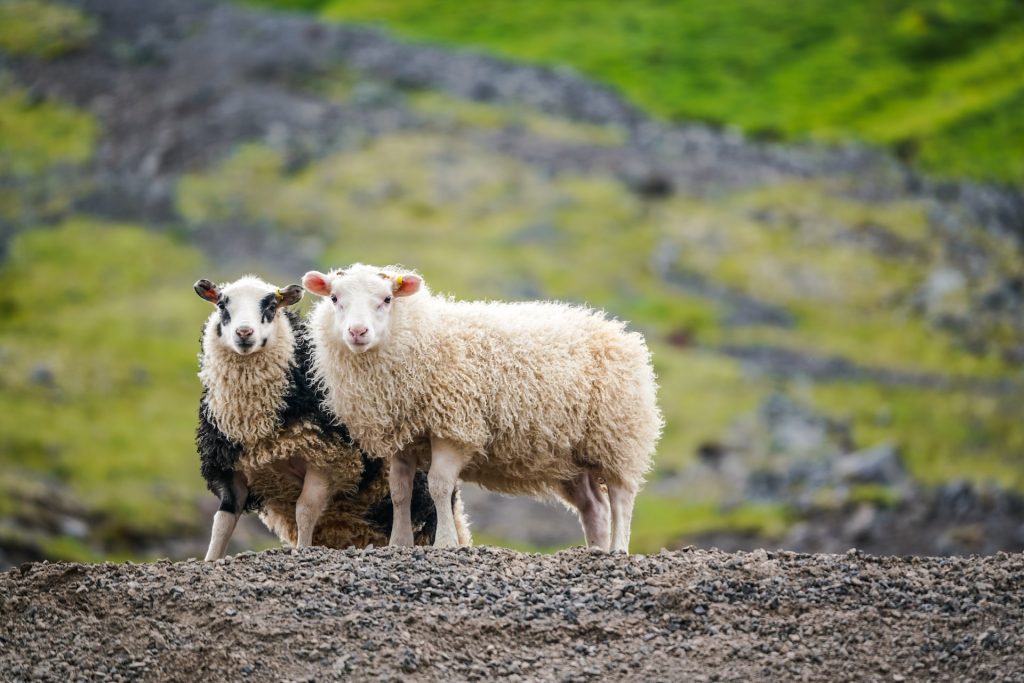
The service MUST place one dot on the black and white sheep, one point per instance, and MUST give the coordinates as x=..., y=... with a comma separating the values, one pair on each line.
x=265, y=443
x=538, y=398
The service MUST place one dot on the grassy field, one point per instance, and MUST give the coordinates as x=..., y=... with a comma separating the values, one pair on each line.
x=417, y=198
x=940, y=82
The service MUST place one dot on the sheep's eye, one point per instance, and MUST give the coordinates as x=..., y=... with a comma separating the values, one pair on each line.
x=334, y=298
x=387, y=299
x=220, y=305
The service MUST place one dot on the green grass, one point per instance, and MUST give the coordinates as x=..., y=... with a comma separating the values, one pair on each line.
x=660, y=522
x=41, y=28
x=669, y=522
x=500, y=542
x=943, y=436
x=876, y=495
x=460, y=114
x=36, y=135
x=88, y=303
x=42, y=143
x=940, y=81
x=815, y=253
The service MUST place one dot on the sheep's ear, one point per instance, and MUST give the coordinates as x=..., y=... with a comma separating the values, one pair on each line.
x=289, y=295
x=317, y=283
x=406, y=285
x=207, y=290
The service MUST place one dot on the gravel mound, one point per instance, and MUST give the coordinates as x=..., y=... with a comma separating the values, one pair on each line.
x=482, y=613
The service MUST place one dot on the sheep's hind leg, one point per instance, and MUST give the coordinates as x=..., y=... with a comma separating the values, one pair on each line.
x=585, y=494
x=310, y=505
x=446, y=462
x=233, y=495
x=400, y=480
x=621, y=497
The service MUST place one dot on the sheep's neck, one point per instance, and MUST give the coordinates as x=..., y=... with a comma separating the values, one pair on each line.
x=245, y=394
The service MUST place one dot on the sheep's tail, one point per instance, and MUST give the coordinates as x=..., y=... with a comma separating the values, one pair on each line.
x=461, y=519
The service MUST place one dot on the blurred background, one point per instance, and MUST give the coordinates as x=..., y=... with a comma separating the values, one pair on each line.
x=814, y=212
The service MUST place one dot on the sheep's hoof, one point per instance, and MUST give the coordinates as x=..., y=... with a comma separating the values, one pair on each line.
x=446, y=542
x=401, y=541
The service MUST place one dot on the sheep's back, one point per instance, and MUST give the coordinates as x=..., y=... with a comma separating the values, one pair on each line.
x=531, y=387
x=534, y=385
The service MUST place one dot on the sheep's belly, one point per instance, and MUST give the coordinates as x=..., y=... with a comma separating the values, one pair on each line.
x=358, y=513
x=350, y=520
x=275, y=467
x=514, y=480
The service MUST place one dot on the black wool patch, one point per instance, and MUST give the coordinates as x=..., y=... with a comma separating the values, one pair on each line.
x=225, y=314
x=372, y=468
x=424, y=516
x=218, y=456
x=268, y=307
x=381, y=514
x=302, y=399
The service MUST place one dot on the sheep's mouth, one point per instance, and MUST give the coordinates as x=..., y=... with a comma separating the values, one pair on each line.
x=359, y=346
x=245, y=347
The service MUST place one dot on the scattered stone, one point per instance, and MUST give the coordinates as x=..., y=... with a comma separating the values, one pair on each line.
x=880, y=464
x=679, y=615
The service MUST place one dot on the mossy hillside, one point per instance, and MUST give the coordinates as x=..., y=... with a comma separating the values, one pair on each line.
x=939, y=82
x=849, y=271
x=443, y=110
x=99, y=395
x=41, y=28
x=36, y=135
x=943, y=436
x=665, y=522
x=42, y=143
x=420, y=198
x=98, y=381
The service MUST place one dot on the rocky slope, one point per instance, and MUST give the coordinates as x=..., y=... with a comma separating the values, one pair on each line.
x=478, y=614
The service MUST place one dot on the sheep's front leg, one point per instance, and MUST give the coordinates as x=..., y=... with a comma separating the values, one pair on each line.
x=234, y=492
x=310, y=505
x=400, y=480
x=224, y=522
x=446, y=462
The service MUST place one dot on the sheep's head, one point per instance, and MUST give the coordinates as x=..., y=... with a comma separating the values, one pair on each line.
x=247, y=308
x=362, y=298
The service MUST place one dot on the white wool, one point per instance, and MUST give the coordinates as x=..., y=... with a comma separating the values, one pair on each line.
x=245, y=393
x=542, y=391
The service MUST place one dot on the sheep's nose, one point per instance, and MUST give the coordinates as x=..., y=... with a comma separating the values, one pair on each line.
x=244, y=332
x=357, y=331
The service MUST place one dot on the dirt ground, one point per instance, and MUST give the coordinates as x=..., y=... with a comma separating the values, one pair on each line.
x=482, y=613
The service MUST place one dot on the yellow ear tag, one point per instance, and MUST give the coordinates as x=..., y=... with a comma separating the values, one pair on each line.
x=398, y=281
x=279, y=295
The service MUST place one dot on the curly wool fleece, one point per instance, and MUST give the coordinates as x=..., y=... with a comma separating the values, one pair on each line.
x=244, y=398
x=543, y=391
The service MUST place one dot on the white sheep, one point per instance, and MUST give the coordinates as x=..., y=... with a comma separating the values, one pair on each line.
x=524, y=398
x=264, y=442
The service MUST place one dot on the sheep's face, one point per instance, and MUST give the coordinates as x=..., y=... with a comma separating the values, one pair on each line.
x=247, y=310
x=362, y=297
